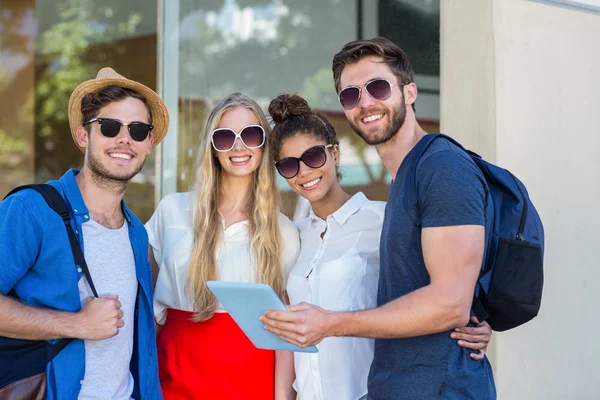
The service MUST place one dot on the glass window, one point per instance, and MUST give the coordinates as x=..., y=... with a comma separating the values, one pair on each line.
x=263, y=48
x=75, y=38
x=17, y=83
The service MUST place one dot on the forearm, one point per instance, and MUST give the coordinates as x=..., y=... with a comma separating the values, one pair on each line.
x=21, y=321
x=284, y=375
x=422, y=312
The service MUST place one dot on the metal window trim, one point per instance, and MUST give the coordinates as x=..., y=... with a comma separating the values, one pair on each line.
x=168, y=90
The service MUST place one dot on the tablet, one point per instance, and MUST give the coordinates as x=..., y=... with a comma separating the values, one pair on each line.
x=246, y=303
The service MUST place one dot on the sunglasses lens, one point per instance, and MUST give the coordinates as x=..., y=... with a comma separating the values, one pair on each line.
x=315, y=157
x=110, y=127
x=139, y=131
x=350, y=97
x=288, y=167
x=379, y=89
x=253, y=136
x=223, y=139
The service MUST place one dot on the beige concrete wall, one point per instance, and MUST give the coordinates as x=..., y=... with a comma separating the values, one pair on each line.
x=536, y=110
x=467, y=90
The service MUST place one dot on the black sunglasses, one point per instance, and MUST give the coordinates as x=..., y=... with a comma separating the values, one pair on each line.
x=252, y=136
x=110, y=127
x=378, y=88
x=313, y=157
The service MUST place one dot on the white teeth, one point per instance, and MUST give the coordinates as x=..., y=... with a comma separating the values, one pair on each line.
x=372, y=118
x=240, y=159
x=311, y=183
x=121, y=155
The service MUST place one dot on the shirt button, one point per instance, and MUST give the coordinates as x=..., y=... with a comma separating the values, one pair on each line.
x=76, y=232
x=86, y=216
x=79, y=270
x=76, y=211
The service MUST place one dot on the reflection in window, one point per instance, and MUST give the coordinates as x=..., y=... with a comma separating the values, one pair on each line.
x=265, y=47
x=17, y=42
x=75, y=39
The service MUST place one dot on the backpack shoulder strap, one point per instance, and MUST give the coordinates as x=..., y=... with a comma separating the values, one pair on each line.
x=411, y=195
x=57, y=203
x=51, y=196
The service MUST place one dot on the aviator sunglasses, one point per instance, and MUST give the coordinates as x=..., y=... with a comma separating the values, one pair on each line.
x=378, y=88
x=313, y=157
x=110, y=127
x=252, y=136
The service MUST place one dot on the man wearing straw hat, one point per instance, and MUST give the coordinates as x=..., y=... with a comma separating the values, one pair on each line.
x=115, y=122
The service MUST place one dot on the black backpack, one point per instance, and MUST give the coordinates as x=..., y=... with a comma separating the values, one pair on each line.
x=23, y=359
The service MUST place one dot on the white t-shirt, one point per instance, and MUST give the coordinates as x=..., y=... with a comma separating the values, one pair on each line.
x=339, y=272
x=109, y=256
x=171, y=236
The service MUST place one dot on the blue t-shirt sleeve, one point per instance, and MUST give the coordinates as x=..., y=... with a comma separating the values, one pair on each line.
x=20, y=241
x=452, y=190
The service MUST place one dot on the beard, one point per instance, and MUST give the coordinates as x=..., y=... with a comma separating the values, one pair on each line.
x=104, y=177
x=397, y=121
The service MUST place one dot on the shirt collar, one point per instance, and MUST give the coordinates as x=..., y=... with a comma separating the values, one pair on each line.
x=347, y=210
x=72, y=192
x=75, y=199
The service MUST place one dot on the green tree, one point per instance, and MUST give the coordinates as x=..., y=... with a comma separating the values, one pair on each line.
x=78, y=37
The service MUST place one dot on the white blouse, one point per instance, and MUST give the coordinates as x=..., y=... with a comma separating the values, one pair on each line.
x=171, y=236
x=338, y=272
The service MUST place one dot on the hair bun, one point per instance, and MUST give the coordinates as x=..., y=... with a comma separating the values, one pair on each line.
x=286, y=106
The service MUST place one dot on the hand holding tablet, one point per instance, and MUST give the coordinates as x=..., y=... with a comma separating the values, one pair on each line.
x=246, y=303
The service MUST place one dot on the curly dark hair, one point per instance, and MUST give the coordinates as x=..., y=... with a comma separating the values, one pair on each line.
x=292, y=115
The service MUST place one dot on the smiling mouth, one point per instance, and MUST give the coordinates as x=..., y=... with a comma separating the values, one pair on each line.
x=239, y=159
x=121, y=156
x=311, y=184
x=371, y=118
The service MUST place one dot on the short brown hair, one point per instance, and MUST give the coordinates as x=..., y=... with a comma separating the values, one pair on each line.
x=392, y=55
x=91, y=103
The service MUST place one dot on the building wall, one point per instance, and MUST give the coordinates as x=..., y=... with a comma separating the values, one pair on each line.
x=520, y=84
x=467, y=70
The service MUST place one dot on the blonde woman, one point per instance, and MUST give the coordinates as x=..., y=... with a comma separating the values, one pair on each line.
x=227, y=228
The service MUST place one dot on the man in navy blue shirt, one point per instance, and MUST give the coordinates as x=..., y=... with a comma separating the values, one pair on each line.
x=428, y=273
x=115, y=122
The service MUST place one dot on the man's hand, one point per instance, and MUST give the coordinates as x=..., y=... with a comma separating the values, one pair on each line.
x=304, y=325
x=100, y=318
x=476, y=338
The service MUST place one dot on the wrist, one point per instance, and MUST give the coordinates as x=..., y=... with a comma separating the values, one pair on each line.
x=71, y=328
x=336, y=322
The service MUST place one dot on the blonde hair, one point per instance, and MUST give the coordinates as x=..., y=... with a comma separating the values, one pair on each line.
x=263, y=211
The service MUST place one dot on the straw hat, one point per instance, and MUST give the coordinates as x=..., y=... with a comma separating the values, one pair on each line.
x=108, y=77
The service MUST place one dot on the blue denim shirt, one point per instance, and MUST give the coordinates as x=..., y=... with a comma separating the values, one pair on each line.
x=36, y=260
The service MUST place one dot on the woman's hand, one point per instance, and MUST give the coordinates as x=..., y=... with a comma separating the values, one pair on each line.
x=476, y=337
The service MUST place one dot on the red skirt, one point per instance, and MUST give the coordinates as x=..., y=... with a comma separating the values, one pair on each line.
x=212, y=359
